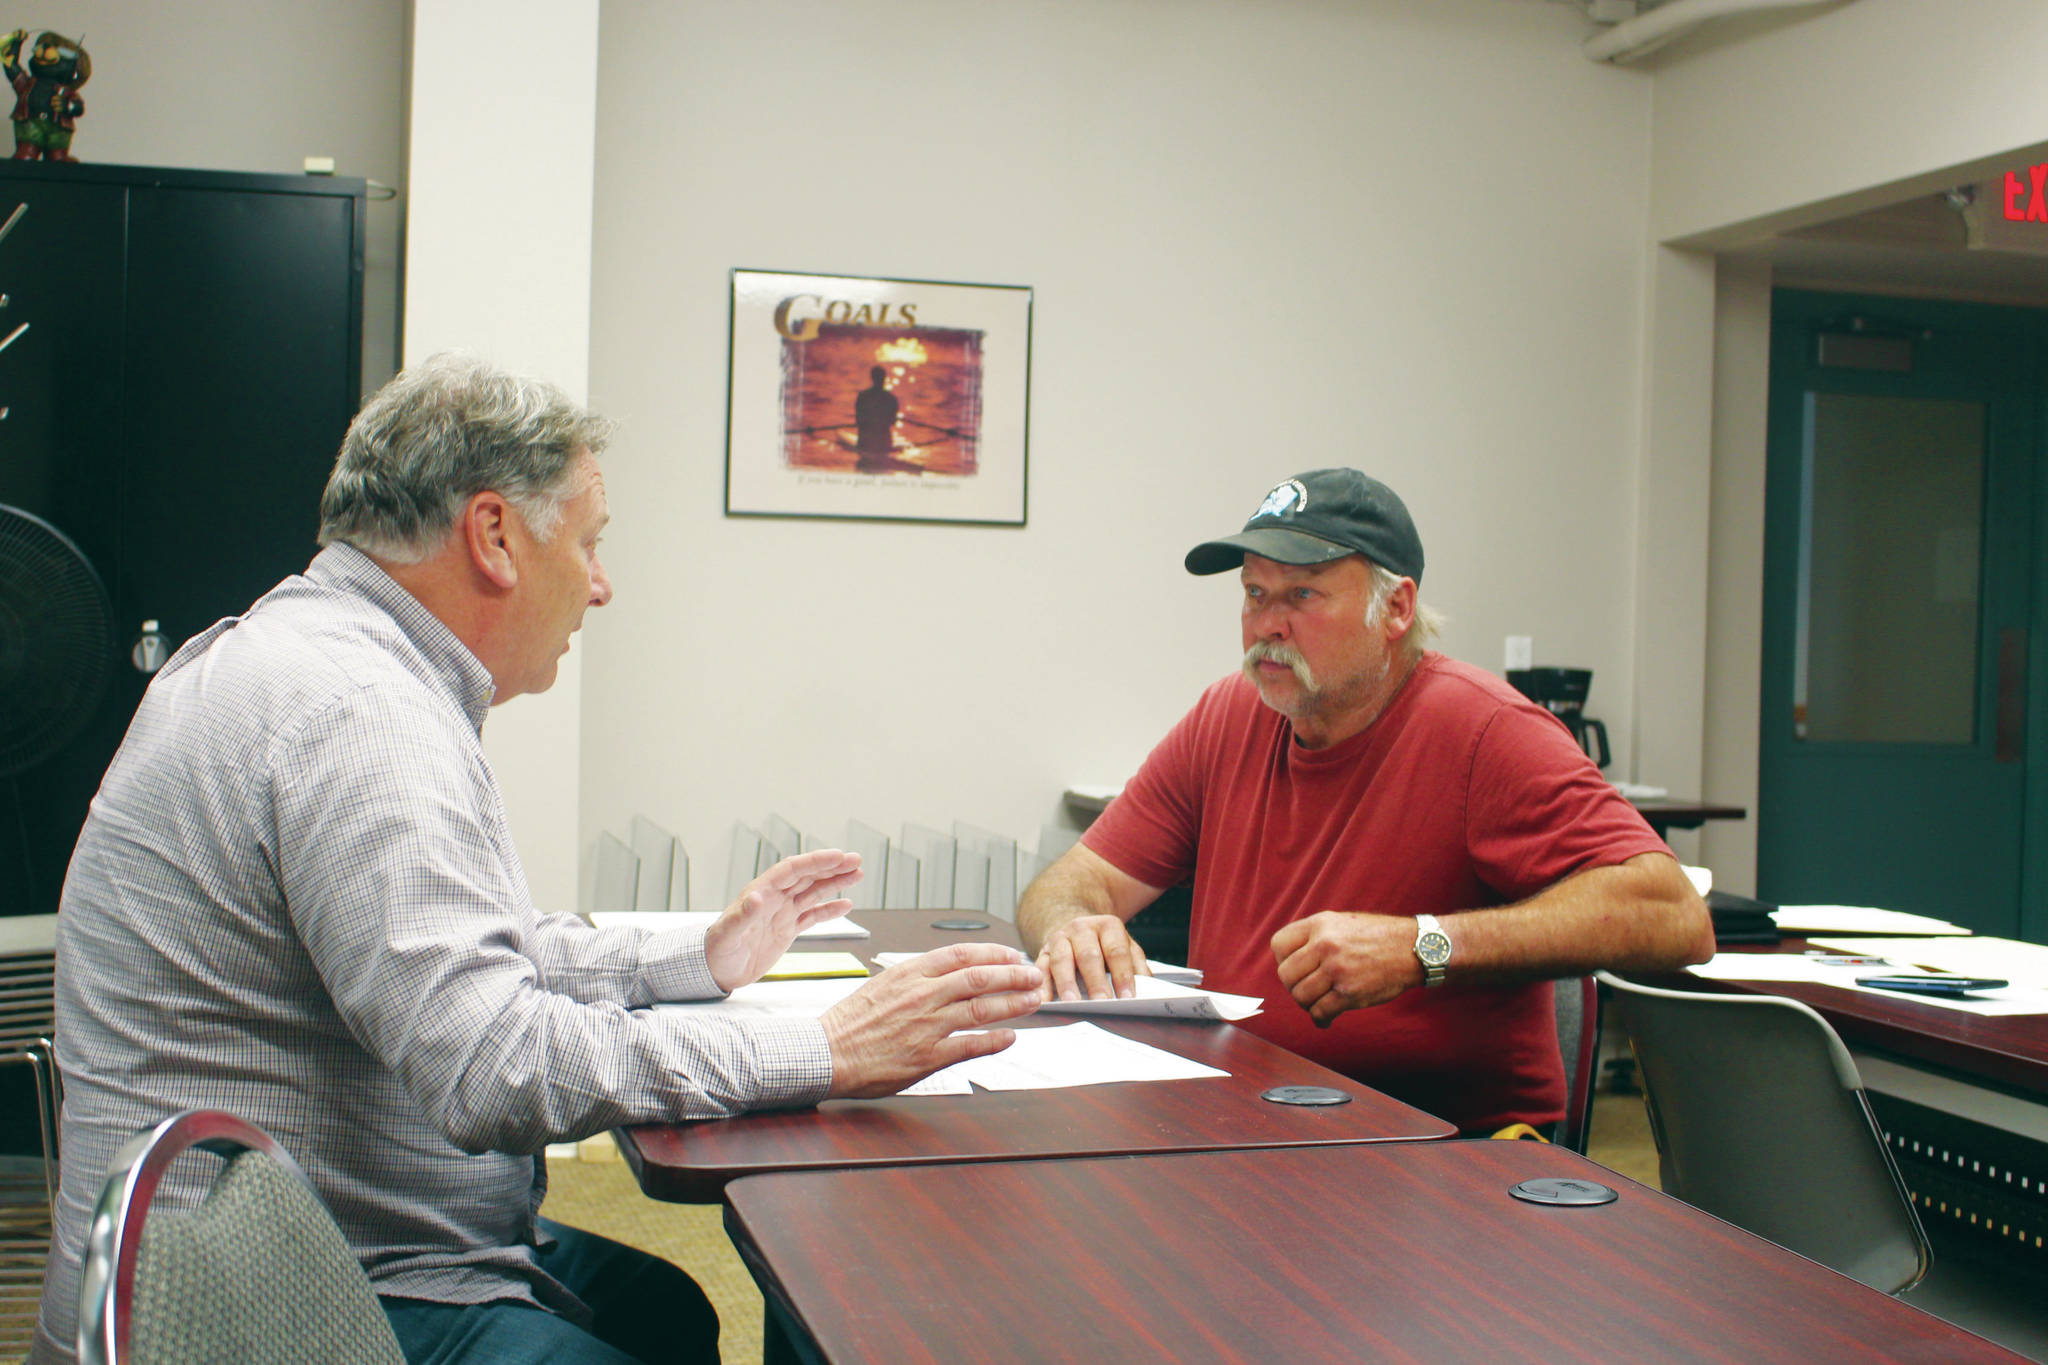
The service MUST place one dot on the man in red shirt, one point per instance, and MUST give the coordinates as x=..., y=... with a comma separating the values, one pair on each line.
x=1365, y=820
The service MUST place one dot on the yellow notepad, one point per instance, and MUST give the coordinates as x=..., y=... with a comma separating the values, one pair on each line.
x=800, y=966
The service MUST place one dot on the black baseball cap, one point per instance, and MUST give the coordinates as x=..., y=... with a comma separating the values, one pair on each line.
x=1319, y=516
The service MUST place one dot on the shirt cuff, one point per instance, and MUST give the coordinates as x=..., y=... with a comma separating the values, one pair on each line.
x=673, y=967
x=795, y=1063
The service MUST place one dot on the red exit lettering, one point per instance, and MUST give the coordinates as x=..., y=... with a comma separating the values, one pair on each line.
x=2016, y=194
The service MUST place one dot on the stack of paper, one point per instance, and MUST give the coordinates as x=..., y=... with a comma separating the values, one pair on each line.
x=803, y=966
x=1159, y=996
x=1857, y=919
x=2023, y=964
x=1052, y=1058
x=1157, y=999
x=1860, y=957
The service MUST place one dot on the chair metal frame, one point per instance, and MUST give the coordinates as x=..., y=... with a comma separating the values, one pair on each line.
x=1578, y=1040
x=106, y=1292
x=28, y=1203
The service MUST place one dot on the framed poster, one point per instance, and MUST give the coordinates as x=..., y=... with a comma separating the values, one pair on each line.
x=897, y=400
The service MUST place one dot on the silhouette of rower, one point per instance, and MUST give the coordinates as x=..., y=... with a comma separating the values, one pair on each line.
x=874, y=414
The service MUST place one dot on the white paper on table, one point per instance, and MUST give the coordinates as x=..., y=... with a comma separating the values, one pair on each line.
x=1784, y=967
x=805, y=998
x=1074, y=1054
x=1163, y=971
x=940, y=1083
x=1858, y=919
x=2003, y=1000
x=1156, y=999
x=841, y=927
x=2023, y=964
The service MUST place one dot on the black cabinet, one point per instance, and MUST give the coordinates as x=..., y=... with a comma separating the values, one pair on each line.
x=192, y=358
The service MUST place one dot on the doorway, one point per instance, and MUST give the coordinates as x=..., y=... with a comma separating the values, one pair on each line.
x=1902, y=722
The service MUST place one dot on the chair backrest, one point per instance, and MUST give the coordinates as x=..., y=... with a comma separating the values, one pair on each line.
x=1001, y=851
x=618, y=875
x=656, y=849
x=257, y=1273
x=873, y=847
x=1578, y=1042
x=899, y=891
x=784, y=835
x=971, y=879
x=1760, y=1118
x=740, y=859
x=934, y=852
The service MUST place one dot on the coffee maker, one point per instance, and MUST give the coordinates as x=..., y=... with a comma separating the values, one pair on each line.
x=1562, y=692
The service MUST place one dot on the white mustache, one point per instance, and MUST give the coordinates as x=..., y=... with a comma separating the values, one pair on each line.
x=1267, y=651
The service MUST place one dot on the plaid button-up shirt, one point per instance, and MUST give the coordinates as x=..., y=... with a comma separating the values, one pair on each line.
x=296, y=898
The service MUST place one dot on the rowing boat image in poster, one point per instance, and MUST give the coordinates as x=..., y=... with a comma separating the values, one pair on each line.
x=890, y=399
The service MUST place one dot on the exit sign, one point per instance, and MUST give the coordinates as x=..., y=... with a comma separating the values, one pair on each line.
x=2026, y=201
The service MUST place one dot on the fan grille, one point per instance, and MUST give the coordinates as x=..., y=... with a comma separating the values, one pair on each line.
x=56, y=640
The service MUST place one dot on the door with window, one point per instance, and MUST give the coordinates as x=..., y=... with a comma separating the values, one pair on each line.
x=1899, y=603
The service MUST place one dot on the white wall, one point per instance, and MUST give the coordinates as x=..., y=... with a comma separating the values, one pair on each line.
x=498, y=251
x=232, y=85
x=1780, y=121
x=1264, y=238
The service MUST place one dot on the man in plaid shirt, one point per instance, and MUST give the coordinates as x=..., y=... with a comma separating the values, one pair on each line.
x=296, y=898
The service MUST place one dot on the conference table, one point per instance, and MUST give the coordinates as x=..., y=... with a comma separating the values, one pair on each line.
x=2009, y=1052
x=1666, y=813
x=1405, y=1252
x=692, y=1162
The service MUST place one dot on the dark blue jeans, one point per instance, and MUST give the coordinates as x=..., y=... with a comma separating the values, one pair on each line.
x=648, y=1311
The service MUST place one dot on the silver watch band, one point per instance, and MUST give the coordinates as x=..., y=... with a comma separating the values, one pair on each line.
x=1432, y=949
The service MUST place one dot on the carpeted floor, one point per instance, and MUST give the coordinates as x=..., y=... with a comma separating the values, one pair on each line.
x=600, y=1196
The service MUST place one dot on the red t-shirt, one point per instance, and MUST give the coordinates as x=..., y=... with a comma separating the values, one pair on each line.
x=1463, y=794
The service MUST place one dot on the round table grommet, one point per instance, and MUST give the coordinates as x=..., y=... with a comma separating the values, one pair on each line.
x=1563, y=1191
x=1313, y=1095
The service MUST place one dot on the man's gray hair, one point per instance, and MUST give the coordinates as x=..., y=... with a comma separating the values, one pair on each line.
x=441, y=432
x=1429, y=622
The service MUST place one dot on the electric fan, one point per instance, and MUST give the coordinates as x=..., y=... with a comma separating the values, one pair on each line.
x=56, y=640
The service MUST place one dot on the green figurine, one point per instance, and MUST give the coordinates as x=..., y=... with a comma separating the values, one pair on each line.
x=46, y=105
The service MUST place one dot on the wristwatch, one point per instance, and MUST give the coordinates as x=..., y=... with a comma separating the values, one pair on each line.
x=1432, y=948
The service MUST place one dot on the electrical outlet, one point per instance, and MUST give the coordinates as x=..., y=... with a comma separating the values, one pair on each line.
x=1521, y=651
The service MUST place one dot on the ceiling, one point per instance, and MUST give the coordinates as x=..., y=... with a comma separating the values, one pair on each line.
x=1928, y=246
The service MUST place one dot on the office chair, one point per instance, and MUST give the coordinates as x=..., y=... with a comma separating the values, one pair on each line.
x=617, y=882
x=257, y=1274
x=934, y=852
x=742, y=860
x=1759, y=1117
x=1578, y=1042
x=661, y=856
x=873, y=847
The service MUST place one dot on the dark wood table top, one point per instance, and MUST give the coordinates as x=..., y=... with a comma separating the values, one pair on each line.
x=1410, y=1252
x=2006, y=1051
x=691, y=1162
x=1684, y=812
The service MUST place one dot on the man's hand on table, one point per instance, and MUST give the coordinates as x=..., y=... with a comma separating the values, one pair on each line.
x=1333, y=962
x=897, y=1029
x=773, y=909
x=1092, y=957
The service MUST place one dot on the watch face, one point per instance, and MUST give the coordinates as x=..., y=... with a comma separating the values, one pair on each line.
x=1434, y=948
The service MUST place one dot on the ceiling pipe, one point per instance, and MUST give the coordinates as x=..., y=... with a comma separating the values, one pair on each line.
x=1632, y=38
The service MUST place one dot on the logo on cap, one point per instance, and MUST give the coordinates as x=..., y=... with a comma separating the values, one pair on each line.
x=1285, y=498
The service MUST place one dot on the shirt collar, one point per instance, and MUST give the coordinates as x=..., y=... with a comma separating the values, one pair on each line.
x=347, y=569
